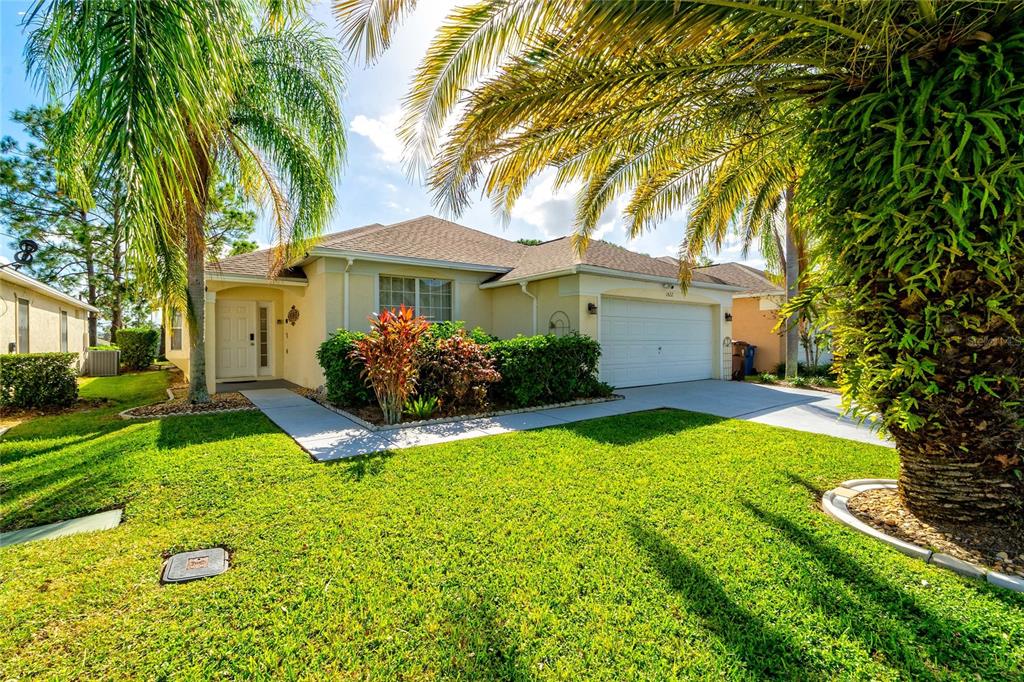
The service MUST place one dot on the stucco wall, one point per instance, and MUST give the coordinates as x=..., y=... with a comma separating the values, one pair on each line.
x=752, y=324
x=44, y=321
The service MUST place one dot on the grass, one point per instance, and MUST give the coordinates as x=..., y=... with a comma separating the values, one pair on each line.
x=658, y=545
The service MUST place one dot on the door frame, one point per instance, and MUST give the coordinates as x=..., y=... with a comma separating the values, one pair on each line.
x=254, y=358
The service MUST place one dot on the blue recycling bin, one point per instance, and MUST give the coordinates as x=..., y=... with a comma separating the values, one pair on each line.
x=748, y=360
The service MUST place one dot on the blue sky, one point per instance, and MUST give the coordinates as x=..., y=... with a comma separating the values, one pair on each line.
x=373, y=187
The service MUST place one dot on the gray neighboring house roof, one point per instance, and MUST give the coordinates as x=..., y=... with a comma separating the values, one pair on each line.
x=750, y=280
x=12, y=275
x=434, y=240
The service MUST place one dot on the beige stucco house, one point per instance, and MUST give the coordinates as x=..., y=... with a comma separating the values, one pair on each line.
x=650, y=331
x=36, y=318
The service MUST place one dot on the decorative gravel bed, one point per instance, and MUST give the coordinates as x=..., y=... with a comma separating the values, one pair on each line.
x=179, y=405
x=372, y=418
x=999, y=548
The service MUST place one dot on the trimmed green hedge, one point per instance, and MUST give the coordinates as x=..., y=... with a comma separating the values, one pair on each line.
x=139, y=345
x=539, y=370
x=38, y=380
x=342, y=374
x=535, y=370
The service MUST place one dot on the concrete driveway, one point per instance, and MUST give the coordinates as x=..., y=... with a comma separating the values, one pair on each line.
x=327, y=435
x=792, y=408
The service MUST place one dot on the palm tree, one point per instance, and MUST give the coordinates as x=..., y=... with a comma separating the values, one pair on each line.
x=651, y=99
x=170, y=94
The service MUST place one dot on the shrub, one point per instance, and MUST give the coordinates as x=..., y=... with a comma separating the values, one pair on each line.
x=448, y=329
x=38, y=380
x=422, y=407
x=457, y=370
x=388, y=354
x=767, y=378
x=139, y=345
x=536, y=370
x=342, y=373
x=800, y=381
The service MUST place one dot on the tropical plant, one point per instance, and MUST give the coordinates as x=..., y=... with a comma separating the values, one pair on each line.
x=458, y=370
x=903, y=111
x=169, y=95
x=422, y=407
x=389, y=360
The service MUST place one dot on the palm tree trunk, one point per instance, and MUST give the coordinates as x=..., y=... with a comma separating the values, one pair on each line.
x=792, y=283
x=942, y=483
x=195, y=253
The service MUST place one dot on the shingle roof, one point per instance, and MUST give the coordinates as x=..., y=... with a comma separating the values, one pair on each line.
x=560, y=254
x=737, y=274
x=254, y=264
x=431, y=238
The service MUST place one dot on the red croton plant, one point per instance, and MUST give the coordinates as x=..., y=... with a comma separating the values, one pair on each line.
x=388, y=354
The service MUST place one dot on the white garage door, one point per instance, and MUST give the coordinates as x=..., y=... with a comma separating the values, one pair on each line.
x=650, y=342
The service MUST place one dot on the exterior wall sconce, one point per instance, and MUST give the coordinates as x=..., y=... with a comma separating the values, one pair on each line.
x=728, y=317
x=293, y=316
x=592, y=308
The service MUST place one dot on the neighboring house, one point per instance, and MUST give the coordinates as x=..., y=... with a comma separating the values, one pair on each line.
x=755, y=313
x=36, y=318
x=650, y=331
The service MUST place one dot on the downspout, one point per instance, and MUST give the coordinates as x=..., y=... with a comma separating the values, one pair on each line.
x=344, y=285
x=522, y=285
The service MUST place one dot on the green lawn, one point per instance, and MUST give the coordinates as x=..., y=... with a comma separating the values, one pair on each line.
x=664, y=544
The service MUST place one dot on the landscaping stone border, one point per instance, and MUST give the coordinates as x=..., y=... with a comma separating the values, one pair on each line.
x=369, y=426
x=835, y=502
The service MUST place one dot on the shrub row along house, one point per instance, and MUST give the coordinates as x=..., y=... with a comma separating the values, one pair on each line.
x=650, y=331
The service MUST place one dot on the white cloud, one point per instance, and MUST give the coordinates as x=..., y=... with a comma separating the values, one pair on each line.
x=550, y=211
x=382, y=133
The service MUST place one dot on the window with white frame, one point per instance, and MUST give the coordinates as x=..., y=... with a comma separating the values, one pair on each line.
x=176, y=329
x=431, y=298
x=63, y=331
x=23, y=314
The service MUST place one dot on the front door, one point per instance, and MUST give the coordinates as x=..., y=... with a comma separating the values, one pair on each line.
x=236, y=339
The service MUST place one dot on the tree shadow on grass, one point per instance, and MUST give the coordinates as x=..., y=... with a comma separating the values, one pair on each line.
x=358, y=468
x=919, y=641
x=199, y=429
x=765, y=653
x=637, y=427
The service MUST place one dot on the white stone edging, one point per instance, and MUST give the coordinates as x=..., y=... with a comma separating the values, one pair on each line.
x=123, y=414
x=835, y=503
x=458, y=418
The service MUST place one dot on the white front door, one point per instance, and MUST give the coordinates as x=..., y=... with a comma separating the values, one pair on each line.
x=651, y=342
x=236, y=339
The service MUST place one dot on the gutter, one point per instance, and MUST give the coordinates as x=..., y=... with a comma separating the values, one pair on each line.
x=533, y=299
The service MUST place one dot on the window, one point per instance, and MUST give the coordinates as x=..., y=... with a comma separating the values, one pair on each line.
x=22, y=325
x=264, y=337
x=175, y=330
x=435, y=299
x=431, y=298
x=63, y=331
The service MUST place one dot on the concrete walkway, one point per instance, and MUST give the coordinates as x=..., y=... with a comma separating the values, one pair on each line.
x=326, y=435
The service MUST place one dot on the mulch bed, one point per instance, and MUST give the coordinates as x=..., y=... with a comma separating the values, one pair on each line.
x=998, y=547
x=16, y=416
x=181, y=405
x=374, y=415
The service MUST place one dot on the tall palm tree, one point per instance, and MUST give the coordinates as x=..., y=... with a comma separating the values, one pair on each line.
x=648, y=99
x=170, y=92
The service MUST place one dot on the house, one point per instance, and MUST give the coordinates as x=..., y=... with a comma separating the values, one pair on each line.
x=755, y=314
x=36, y=318
x=650, y=331
x=755, y=311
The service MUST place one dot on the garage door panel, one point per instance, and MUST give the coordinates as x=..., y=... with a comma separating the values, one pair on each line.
x=650, y=342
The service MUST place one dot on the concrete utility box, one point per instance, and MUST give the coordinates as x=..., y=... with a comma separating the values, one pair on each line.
x=102, y=363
